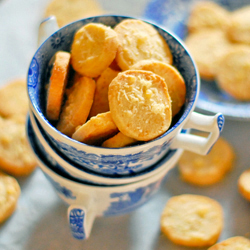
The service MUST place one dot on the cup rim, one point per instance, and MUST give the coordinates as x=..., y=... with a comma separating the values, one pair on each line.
x=42, y=118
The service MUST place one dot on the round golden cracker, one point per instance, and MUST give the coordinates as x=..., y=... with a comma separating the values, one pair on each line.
x=140, y=104
x=138, y=41
x=57, y=84
x=118, y=141
x=67, y=11
x=233, y=73
x=239, y=28
x=76, y=109
x=207, y=46
x=101, y=102
x=173, y=78
x=16, y=158
x=233, y=243
x=204, y=170
x=9, y=194
x=244, y=184
x=93, y=49
x=207, y=14
x=192, y=220
x=14, y=100
x=96, y=130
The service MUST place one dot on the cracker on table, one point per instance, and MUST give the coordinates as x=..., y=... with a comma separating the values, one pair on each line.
x=9, y=194
x=204, y=170
x=67, y=11
x=192, y=220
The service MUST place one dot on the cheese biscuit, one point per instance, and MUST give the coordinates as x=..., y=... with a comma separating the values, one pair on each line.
x=233, y=73
x=76, y=109
x=57, y=84
x=16, y=157
x=9, y=194
x=67, y=11
x=93, y=49
x=101, y=102
x=244, y=184
x=118, y=141
x=192, y=220
x=207, y=14
x=174, y=80
x=203, y=170
x=140, y=104
x=239, y=28
x=96, y=130
x=207, y=47
x=233, y=243
x=14, y=100
x=138, y=41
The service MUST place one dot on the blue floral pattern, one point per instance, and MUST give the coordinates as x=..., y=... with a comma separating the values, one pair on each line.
x=173, y=14
x=76, y=222
x=126, y=202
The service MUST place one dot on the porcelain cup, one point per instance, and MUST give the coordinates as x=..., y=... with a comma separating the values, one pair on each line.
x=132, y=159
x=88, y=201
x=58, y=162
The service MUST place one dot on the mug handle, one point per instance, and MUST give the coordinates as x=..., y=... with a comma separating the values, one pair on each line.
x=198, y=144
x=47, y=27
x=80, y=221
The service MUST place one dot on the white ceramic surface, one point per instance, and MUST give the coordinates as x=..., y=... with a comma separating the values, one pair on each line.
x=127, y=160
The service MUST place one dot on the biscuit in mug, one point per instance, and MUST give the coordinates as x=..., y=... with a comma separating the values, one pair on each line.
x=233, y=243
x=140, y=104
x=93, y=49
x=96, y=130
x=76, y=109
x=138, y=41
x=173, y=78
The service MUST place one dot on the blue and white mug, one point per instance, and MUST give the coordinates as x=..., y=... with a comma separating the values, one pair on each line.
x=132, y=159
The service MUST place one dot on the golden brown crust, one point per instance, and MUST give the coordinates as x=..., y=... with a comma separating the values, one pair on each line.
x=9, y=194
x=118, y=141
x=96, y=130
x=233, y=243
x=233, y=73
x=16, y=157
x=93, y=49
x=207, y=14
x=67, y=11
x=207, y=47
x=140, y=104
x=140, y=41
x=192, y=220
x=14, y=100
x=244, y=184
x=57, y=84
x=203, y=170
x=101, y=102
x=77, y=106
x=174, y=80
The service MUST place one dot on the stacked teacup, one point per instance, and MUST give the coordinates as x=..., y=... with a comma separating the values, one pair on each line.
x=97, y=181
